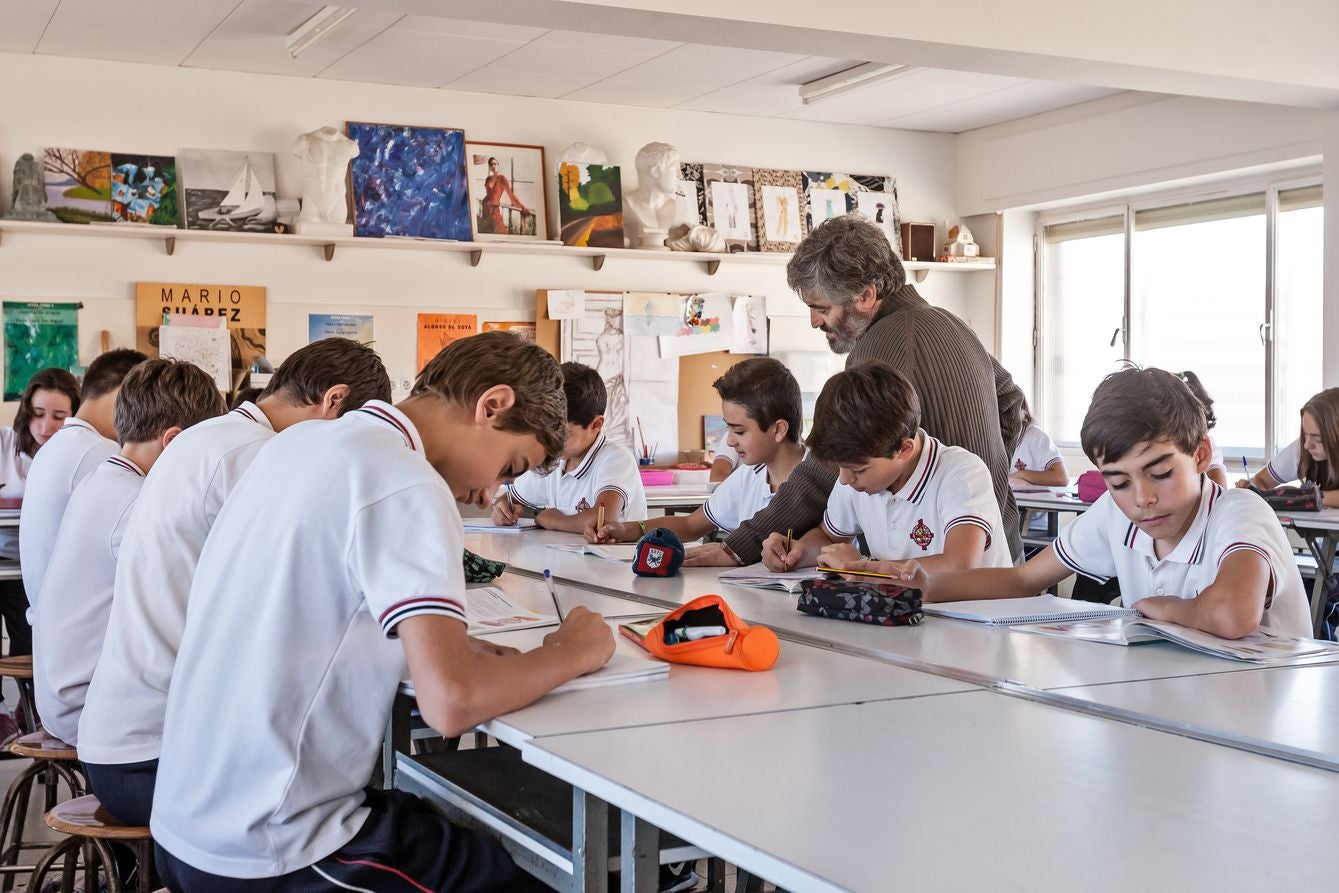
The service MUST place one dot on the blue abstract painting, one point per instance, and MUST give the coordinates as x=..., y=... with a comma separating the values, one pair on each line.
x=410, y=181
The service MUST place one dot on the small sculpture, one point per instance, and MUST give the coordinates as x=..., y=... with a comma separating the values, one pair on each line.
x=695, y=237
x=325, y=155
x=960, y=243
x=650, y=209
x=583, y=153
x=29, y=198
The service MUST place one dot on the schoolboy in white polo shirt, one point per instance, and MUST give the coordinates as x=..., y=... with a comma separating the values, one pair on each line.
x=1037, y=460
x=290, y=660
x=904, y=492
x=761, y=403
x=157, y=401
x=593, y=471
x=82, y=444
x=121, y=727
x=1185, y=549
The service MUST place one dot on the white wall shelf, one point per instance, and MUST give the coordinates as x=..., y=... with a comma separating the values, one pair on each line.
x=327, y=246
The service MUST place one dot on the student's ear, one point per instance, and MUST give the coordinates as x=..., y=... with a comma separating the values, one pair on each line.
x=780, y=428
x=596, y=425
x=332, y=401
x=867, y=300
x=169, y=435
x=493, y=403
x=906, y=449
x=1203, y=455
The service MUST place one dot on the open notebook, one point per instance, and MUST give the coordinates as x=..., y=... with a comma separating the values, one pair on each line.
x=1037, y=609
x=759, y=577
x=486, y=525
x=488, y=610
x=629, y=663
x=1258, y=647
x=617, y=552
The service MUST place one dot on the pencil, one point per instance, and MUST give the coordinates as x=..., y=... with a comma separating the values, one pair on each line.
x=599, y=517
x=833, y=570
x=790, y=533
x=553, y=593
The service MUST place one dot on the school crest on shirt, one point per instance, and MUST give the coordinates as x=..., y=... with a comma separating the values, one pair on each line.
x=922, y=535
x=583, y=505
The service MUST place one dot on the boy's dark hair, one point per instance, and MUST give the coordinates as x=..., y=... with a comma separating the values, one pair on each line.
x=1197, y=388
x=107, y=370
x=767, y=391
x=1324, y=408
x=310, y=371
x=464, y=369
x=52, y=378
x=586, y=396
x=864, y=413
x=164, y=393
x=1137, y=405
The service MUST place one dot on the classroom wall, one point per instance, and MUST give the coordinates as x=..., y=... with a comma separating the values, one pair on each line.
x=91, y=104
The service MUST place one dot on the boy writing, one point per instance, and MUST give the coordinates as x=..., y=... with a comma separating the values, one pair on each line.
x=906, y=493
x=594, y=475
x=122, y=723
x=1185, y=549
x=157, y=401
x=288, y=665
x=760, y=401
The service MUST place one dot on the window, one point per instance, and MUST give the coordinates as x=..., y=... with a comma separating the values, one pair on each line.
x=1297, y=306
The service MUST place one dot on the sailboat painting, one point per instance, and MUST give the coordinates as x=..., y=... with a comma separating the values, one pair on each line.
x=231, y=191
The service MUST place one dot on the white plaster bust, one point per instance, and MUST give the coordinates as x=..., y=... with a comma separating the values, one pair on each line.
x=650, y=209
x=325, y=155
x=583, y=153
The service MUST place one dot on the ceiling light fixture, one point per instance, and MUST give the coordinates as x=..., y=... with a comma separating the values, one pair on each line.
x=327, y=19
x=858, y=78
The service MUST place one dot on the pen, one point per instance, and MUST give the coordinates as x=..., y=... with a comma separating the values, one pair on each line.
x=833, y=570
x=1245, y=468
x=553, y=593
x=599, y=517
x=790, y=533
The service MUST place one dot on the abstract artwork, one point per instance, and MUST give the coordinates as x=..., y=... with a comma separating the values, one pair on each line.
x=229, y=191
x=78, y=185
x=829, y=195
x=729, y=193
x=507, y=191
x=144, y=189
x=410, y=181
x=590, y=205
x=780, y=209
x=689, y=197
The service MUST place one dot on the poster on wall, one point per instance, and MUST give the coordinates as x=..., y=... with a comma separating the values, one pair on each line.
x=38, y=335
x=437, y=330
x=339, y=325
x=242, y=308
x=521, y=329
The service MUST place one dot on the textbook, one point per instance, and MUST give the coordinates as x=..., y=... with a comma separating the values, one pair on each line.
x=486, y=525
x=618, y=552
x=1258, y=647
x=1037, y=609
x=488, y=610
x=759, y=577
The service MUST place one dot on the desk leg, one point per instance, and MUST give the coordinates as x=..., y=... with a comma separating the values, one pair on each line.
x=1322, y=549
x=638, y=855
x=590, y=843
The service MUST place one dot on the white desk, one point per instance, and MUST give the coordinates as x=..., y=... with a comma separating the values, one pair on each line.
x=963, y=792
x=678, y=498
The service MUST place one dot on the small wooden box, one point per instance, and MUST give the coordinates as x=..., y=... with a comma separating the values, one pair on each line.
x=918, y=241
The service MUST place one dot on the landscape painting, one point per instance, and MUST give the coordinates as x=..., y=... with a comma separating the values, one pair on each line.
x=144, y=189
x=590, y=205
x=410, y=181
x=78, y=185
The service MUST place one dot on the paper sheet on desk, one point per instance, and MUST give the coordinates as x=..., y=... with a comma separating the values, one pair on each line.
x=490, y=611
x=629, y=663
x=486, y=525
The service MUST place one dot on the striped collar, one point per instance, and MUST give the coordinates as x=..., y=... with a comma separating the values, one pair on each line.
x=386, y=414
x=926, y=467
x=1190, y=549
x=251, y=411
x=125, y=464
x=72, y=422
x=589, y=459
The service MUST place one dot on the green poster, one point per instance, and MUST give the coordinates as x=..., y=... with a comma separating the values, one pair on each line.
x=38, y=336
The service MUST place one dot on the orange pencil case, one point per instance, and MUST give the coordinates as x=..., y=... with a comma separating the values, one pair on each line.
x=706, y=633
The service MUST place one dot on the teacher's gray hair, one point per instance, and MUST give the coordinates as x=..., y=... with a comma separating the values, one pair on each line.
x=843, y=256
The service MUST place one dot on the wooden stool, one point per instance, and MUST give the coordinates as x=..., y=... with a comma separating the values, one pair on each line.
x=54, y=761
x=91, y=828
x=20, y=669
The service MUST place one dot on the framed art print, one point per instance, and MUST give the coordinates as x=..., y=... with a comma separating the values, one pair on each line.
x=507, y=192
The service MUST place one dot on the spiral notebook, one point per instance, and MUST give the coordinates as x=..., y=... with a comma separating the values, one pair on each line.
x=1037, y=609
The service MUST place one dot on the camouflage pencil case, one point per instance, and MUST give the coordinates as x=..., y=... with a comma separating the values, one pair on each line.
x=885, y=604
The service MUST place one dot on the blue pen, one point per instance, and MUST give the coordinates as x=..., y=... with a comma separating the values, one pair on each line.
x=1245, y=468
x=553, y=593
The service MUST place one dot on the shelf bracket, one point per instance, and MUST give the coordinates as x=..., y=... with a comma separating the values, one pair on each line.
x=329, y=250
x=476, y=255
x=597, y=262
x=921, y=274
x=170, y=244
x=713, y=265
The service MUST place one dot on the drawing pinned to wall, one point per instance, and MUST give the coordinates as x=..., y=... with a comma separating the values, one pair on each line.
x=707, y=325
x=410, y=181
x=523, y=330
x=78, y=185
x=590, y=205
x=507, y=191
x=597, y=339
x=228, y=191
x=38, y=335
x=690, y=198
x=144, y=189
x=356, y=327
x=750, y=322
x=652, y=314
x=202, y=340
x=834, y=194
x=437, y=330
x=729, y=195
x=780, y=209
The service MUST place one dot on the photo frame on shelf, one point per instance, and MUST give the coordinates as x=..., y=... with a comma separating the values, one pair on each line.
x=828, y=194
x=507, y=191
x=730, y=205
x=410, y=181
x=780, y=209
x=689, y=197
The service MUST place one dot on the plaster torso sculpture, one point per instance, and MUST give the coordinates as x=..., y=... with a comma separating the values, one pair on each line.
x=325, y=155
x=583, y=153
x=29, y=199
x=650, y=209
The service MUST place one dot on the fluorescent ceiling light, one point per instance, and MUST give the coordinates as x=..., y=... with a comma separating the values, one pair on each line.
x=327, y=19
x=850, y=80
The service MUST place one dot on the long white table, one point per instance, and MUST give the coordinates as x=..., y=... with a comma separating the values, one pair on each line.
x=963, y=792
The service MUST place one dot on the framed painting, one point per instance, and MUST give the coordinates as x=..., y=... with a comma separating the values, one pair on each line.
x=729, y=195
x=78, y=185
x=507, y=192
x=410, y=181
x=590, y=205
x=229, y=191
x=780, y=212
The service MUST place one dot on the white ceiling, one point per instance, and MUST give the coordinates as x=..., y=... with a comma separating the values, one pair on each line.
x=386, y=47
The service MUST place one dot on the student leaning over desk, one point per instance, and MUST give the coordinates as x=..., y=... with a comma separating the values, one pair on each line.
x=1308, y=457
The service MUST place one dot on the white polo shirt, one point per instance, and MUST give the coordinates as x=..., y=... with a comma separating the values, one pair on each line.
x=1103, y=543
x=739, y=497
x=1286, y=465
x=1216, y=454
x=1036, y=451
x=723, y=450
x=122, y=720
x=284, y=682
x=606, y=466
x=69, y=456
x=70, y=619
x=949, y=486
x=13, y=475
